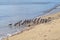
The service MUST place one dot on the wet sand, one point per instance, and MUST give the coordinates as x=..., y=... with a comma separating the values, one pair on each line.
x=45, y=31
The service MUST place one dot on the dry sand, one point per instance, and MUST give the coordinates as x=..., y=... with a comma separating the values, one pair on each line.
x=48, y=31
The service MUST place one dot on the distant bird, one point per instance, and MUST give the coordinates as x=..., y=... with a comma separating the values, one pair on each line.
x=34, y=21
x=23, y=22
x=18, y=23
x=46, y=20
x=38, y=20
x=42, y=21
x=10, y=24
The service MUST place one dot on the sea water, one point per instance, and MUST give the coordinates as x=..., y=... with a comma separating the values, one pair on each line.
x=14, y=13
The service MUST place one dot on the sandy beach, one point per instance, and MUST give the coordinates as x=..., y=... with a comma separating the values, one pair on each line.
x=45, y=31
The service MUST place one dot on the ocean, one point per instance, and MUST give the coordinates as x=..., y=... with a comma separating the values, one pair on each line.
x=14, y=13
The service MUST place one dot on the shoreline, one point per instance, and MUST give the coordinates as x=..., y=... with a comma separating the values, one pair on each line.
x=17, y=33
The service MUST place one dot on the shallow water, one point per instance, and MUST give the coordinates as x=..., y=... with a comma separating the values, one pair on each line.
x=14, y=13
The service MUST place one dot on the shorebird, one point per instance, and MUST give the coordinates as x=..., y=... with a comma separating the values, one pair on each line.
x=10, y=24
x=38, y=20
x=34, y=21
x=18, y=23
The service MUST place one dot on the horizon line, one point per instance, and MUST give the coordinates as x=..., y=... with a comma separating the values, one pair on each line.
x=29, y=3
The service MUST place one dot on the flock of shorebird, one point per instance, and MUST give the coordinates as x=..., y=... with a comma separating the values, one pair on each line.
x=36, y=20
x=30, y=22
